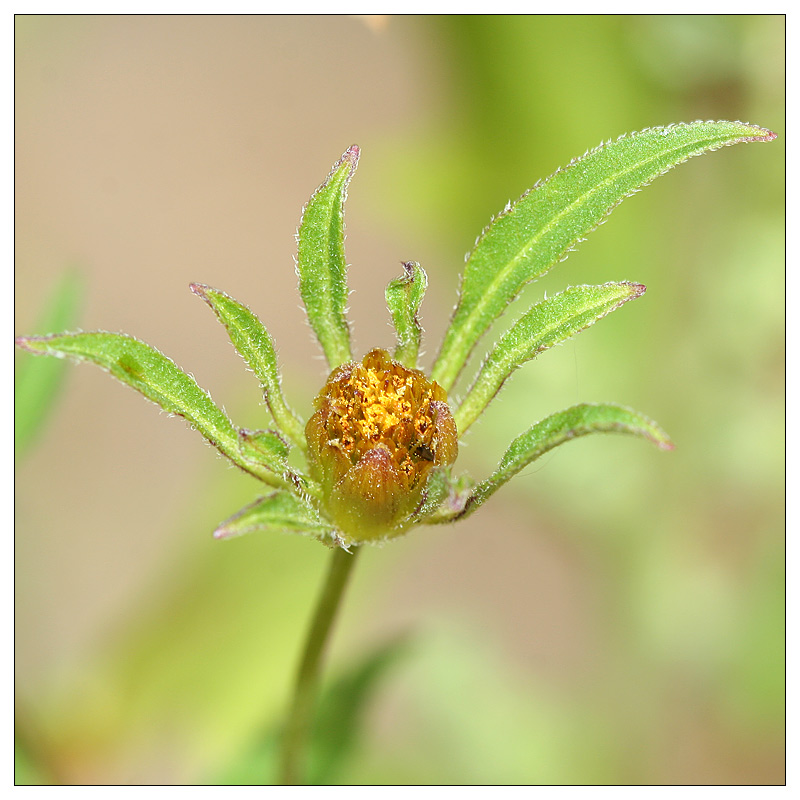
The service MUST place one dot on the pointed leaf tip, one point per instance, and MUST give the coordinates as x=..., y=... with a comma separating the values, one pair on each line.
x=200, y=289
x=764, y=135
x=349, y=157
x=33, y=344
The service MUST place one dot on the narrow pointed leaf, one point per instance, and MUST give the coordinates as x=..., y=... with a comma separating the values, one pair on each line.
x=255, y=345
x=321, y=265
x=279, y=512
x=403, y=297
x=580, y=420
x=37, y=381
x=543, y=326
x=536, y=232
x=157, y=377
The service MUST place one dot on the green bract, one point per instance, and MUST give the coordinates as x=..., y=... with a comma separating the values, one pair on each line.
x=321, y=265
x=404, y=297
x=381, y=424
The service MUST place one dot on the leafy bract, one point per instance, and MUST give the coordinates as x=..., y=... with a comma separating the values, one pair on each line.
x=255, y=345
x=278, y=511
x=321, y=265
x=403, y=297
x=158, y=378
x=543, y=326
x=530, y=236
x=579, y=420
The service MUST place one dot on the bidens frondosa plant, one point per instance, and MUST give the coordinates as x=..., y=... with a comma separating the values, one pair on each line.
x=382, y=438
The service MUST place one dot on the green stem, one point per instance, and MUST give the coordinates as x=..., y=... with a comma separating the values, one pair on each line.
x=301, y=713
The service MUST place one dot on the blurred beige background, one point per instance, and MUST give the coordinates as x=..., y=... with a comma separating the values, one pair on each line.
x=192, y=166
x=615, y=617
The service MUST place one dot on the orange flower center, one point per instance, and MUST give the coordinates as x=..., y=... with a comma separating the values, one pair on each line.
x=379, y=403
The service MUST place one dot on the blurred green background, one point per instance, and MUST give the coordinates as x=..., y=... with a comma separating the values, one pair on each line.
x=615, y=615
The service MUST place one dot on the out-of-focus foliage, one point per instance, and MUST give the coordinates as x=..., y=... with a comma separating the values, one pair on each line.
x=338, y=728
x=37, y=383
x=628, y=629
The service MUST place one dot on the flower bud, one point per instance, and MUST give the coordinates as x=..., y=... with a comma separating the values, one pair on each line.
x=377, y=432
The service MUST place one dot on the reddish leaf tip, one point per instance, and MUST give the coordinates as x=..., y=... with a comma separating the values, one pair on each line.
x=199, y=289
x=350, y=156
x=768, y=136
x=23, y=342
x=638, y=289
x=758, y=135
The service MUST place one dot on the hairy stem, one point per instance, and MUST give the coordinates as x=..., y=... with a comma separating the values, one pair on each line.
x=301, y=713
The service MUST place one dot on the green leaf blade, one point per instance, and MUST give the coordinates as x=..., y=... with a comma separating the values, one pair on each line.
x=564, y=426
x=532, y=235
x=157, y=377
x=255, y=345
x=543, y=326
x=403, y=297
x=321, y=264
x=278, y=512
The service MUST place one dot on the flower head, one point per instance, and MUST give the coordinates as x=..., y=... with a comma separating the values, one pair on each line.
x=377, y=432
